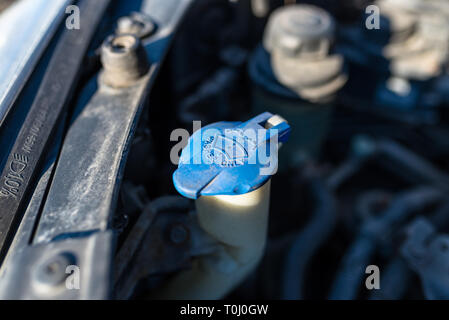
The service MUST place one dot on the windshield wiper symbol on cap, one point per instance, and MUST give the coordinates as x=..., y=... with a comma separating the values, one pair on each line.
x=233, y=153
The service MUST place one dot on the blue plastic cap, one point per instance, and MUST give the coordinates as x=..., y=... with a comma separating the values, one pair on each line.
x=229, y=158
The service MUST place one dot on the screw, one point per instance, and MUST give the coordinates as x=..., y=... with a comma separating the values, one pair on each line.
x=52, y=272
x=179, y=234
x=137, y=24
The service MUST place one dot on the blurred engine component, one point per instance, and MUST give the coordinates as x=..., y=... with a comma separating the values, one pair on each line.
x=297, y=41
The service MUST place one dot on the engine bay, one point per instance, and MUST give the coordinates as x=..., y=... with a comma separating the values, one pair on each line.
x=355, y=91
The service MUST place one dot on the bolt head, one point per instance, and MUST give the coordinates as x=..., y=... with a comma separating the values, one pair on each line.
x=53, y=271
x=179, y=234
x=137, y=24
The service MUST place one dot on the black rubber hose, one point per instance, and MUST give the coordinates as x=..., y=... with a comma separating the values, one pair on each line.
x=352, y=269
x=397, y=274
x=394, y=281
x=308, y=241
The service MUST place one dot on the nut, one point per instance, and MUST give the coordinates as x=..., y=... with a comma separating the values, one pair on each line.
x=124, y=60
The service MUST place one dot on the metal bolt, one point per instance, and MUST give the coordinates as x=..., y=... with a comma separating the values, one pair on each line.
x=137, y=24
x=124, y=60
x=179, y=234
x=53, y=271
